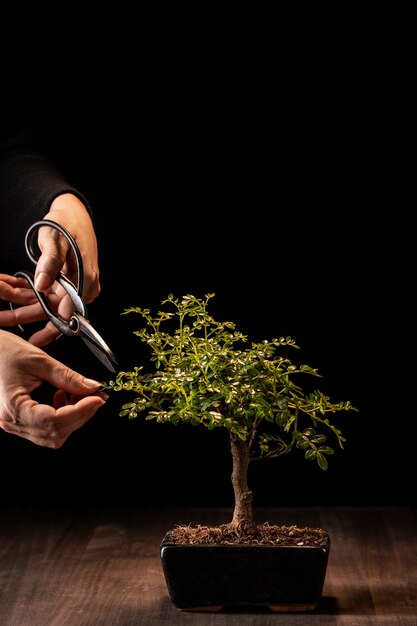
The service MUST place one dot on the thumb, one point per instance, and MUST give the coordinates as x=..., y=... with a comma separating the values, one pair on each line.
x=54, y=249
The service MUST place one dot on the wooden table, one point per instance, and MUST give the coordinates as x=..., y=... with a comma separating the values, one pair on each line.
x=101, y=567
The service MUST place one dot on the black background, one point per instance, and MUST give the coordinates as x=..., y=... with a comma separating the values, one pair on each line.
x=289, y=206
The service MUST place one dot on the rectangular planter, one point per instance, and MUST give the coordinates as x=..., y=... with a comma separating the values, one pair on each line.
x=210, y=577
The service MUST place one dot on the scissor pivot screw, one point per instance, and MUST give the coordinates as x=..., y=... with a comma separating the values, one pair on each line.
x=74, y=324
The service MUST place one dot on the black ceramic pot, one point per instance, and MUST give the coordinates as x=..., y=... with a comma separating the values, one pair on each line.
x=211, y=577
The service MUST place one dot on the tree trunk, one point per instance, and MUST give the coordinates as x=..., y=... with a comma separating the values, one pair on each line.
x=243, y=511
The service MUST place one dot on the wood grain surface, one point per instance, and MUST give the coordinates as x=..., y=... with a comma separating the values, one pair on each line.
x=102, y=567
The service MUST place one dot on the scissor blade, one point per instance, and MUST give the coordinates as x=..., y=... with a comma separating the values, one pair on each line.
x=100, y=355
x=96, y=344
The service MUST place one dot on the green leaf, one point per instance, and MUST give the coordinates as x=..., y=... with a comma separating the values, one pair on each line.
x=326, y=450
x=318, y=439
x=308, y=432
x=310, y=454
x=322, y=461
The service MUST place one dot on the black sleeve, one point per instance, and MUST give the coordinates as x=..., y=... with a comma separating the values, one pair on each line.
x=29, y=181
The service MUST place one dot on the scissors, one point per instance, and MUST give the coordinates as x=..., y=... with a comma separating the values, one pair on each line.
x=78, y=324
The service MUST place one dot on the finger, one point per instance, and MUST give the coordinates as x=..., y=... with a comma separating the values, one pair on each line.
x=63, y=377
x=54, y=250
x=44, y=336
x=17, y=293
x=64, y=310
x=74, y=398
x=60, y=399
x=22, y=315
x=68, y=418
x=13, y=281
x=44, y=426
x=59, y=302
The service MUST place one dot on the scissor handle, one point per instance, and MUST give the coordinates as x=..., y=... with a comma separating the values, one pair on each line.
x=29, y=239
x=66, y=327
x=78, y=323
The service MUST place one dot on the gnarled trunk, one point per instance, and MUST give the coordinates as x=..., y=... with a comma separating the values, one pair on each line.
x=243, y=511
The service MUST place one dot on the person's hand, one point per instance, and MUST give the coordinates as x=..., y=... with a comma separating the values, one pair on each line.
x=23, y=368
x=56, y=255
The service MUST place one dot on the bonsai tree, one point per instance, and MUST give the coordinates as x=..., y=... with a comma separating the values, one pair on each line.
x=204, y=375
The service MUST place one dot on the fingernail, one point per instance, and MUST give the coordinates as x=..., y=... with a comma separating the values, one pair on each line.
x=41, y=281
x=91, y=383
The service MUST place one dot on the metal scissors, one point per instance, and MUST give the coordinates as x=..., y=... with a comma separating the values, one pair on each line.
x=78, y=324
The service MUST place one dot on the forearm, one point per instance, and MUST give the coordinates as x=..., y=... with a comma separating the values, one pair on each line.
x=33, y=187
x=29, y=184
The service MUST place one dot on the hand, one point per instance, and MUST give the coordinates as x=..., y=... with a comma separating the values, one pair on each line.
x=28, y=310
x=23, y=368
x=56, y=255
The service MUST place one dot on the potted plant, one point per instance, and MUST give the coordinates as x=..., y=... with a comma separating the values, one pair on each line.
x=204, y=375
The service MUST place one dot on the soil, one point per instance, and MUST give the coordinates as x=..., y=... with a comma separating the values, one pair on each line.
x=257, y=534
